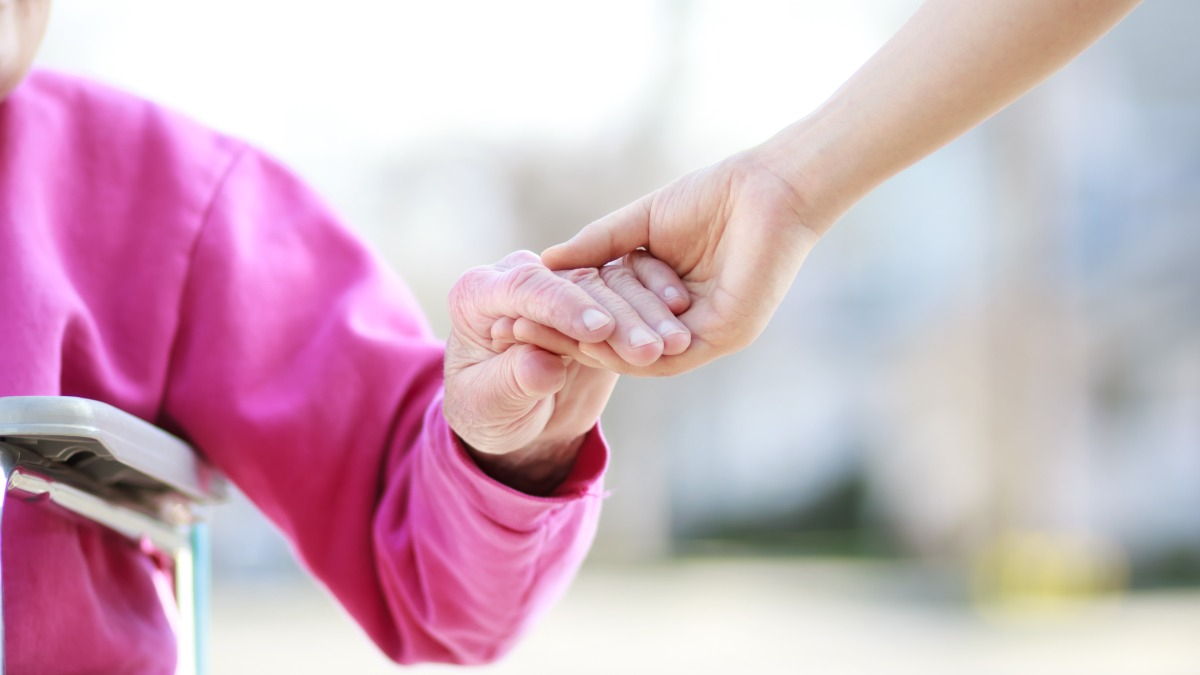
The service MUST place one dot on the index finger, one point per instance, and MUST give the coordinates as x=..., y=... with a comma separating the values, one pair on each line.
x=532, y=291
x=658, y=277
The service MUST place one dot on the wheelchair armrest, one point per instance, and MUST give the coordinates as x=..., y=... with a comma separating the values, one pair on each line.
x=109, y=450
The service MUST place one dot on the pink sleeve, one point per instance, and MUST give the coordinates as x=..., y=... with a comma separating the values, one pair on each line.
x=305, y=372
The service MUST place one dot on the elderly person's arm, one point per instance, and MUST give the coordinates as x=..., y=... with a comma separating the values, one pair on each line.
x=445, y=494
x=738, y=231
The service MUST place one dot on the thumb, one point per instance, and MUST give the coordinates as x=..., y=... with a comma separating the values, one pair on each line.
x=505, y=402
x=511, y=384
x=534, y=372
x=606, y=239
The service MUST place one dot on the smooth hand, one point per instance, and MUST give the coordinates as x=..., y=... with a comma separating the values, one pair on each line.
x=736, y=234
x=522, y=409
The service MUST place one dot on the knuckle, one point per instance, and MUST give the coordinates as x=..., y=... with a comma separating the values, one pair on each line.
x=465, y=288
x=474, y=276
x=614, y=275
x=540, y=291
x=526, y=277
x=521, y=257
x=582, y=276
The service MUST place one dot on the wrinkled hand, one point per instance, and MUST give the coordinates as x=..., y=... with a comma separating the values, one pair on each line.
x=514, y=394
x=735, y=233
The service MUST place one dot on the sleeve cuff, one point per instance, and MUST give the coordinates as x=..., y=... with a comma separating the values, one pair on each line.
x=507, y=506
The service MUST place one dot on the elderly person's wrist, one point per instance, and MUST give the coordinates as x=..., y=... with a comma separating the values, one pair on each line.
x=536, y=469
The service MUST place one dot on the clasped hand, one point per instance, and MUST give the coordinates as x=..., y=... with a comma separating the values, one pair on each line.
x=697, y=269
x=520, y=392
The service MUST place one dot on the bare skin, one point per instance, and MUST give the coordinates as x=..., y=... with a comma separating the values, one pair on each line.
x=22, y=25
x=522, y=410
x=738, y=231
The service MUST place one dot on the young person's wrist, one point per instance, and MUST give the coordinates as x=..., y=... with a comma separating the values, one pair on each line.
x=804, y=155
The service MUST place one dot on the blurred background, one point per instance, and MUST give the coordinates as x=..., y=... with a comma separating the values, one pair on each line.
x=968, y=442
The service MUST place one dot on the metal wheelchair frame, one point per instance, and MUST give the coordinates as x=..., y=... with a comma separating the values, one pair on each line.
x=91, y=460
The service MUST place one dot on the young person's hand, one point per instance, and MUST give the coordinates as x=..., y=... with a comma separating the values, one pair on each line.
x=522, y=406
x=736, y=234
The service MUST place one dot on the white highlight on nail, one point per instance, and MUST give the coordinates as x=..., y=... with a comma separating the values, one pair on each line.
x=668, y=328
x=595, y=319
x=640, y=337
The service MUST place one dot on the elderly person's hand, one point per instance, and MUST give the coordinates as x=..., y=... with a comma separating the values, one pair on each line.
x=521, y=409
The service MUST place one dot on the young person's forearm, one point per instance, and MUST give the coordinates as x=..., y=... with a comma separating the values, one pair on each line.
x=954, y=64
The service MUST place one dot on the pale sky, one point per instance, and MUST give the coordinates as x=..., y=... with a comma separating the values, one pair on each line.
x=309, y=79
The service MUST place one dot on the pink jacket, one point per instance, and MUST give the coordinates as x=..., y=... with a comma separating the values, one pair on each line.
x=189, y=280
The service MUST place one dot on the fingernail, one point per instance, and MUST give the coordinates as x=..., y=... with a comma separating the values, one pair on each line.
x=640, y=337
x=669, y=293
x=670, y=328
x=594, y=319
